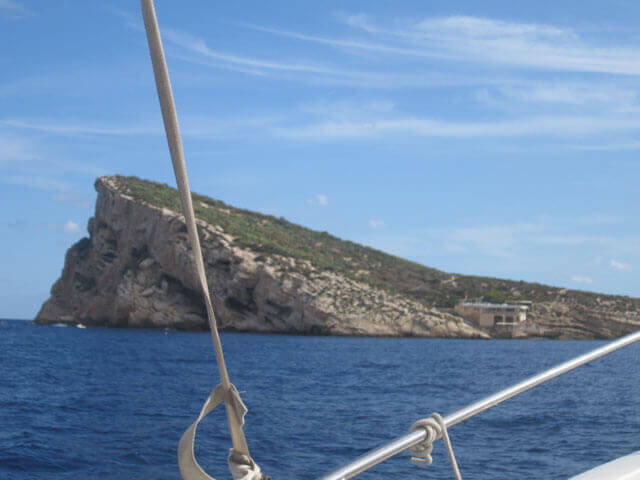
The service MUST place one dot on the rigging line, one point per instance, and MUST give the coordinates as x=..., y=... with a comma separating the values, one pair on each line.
x=172, y=130
x=435, y=428
x=418, y=436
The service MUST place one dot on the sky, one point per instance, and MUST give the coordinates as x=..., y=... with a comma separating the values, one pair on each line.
x=494, y=138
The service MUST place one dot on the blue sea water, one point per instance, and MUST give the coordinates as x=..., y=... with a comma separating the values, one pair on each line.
x=111, y=404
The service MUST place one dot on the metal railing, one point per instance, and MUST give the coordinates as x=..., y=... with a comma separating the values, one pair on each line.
x=415, y=437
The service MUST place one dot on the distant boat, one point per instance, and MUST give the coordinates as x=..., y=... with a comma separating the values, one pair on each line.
x=81, y=326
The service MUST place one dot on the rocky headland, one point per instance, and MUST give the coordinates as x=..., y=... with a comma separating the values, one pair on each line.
x=269, y=275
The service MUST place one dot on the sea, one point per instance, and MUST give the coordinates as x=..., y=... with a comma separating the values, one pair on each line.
x=111, y=404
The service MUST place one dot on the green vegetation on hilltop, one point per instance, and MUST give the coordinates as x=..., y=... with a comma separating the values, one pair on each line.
x=271, y=235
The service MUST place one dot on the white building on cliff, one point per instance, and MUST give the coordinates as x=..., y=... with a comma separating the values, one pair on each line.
x=489, y=315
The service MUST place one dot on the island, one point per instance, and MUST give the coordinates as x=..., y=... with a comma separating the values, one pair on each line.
x=269, y=275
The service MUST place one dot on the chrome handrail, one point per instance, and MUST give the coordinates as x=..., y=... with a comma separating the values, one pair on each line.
x=400, y=444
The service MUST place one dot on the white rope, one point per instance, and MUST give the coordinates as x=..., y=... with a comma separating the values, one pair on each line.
x=435, y=428
x=228, y=393
x=242, y=467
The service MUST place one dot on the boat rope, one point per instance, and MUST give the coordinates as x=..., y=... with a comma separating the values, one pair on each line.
x=435, y=428
x=226, y=391
x=241, y=466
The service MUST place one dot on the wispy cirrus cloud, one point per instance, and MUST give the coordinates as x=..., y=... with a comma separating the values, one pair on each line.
x=512, y=240
x=545, y=246
x=194, y=49
x=621, y=265
x=447, y=38
x=15, y=150
x=39, y=182
x=192, y=125
x=548, y=125
x=477, y=39
x=571, y=93
x=130, y=20
x=73, y=198
x=621, y=145
x=363, y=123
x=198, y=45
x=61, y=190
x=491, y=240
x=13, y=9
x=345, y=44
x=582, y=279
x=528, y=45
x=79, y=128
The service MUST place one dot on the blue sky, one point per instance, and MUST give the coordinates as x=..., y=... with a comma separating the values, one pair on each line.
x=492, y=138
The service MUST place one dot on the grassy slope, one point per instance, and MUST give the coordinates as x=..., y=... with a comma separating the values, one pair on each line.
x=271, y=235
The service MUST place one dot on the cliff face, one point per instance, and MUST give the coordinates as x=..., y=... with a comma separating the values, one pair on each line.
x=135, y=270
x=269, y=275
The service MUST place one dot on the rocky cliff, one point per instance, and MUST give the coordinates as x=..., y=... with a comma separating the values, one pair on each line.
x=268, y=275
x=135, y=270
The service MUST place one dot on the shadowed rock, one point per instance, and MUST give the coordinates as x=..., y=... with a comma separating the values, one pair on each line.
x=135, y=270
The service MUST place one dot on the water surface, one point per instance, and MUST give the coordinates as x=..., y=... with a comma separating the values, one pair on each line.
x=111, y=404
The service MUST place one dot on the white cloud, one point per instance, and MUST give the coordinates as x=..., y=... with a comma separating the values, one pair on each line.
x=476, y=39
x=194, y=49
x=320, y=200
x=581, y=279
x=621, y=266
x=192, y=125
x=482, y=40
x=376, y=223
x=571, y=93
x=71, y=227
x=198, y=46
x=556, y=126
x=346, y=44
x=318, y=122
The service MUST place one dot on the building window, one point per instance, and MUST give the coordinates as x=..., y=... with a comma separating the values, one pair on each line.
x=497, y=319
x=509, y=319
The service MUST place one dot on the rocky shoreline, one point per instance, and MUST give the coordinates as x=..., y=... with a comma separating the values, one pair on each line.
x=135, y=270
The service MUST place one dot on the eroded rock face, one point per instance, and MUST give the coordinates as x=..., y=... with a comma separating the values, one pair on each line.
x=135, y=270
x=567, y=319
